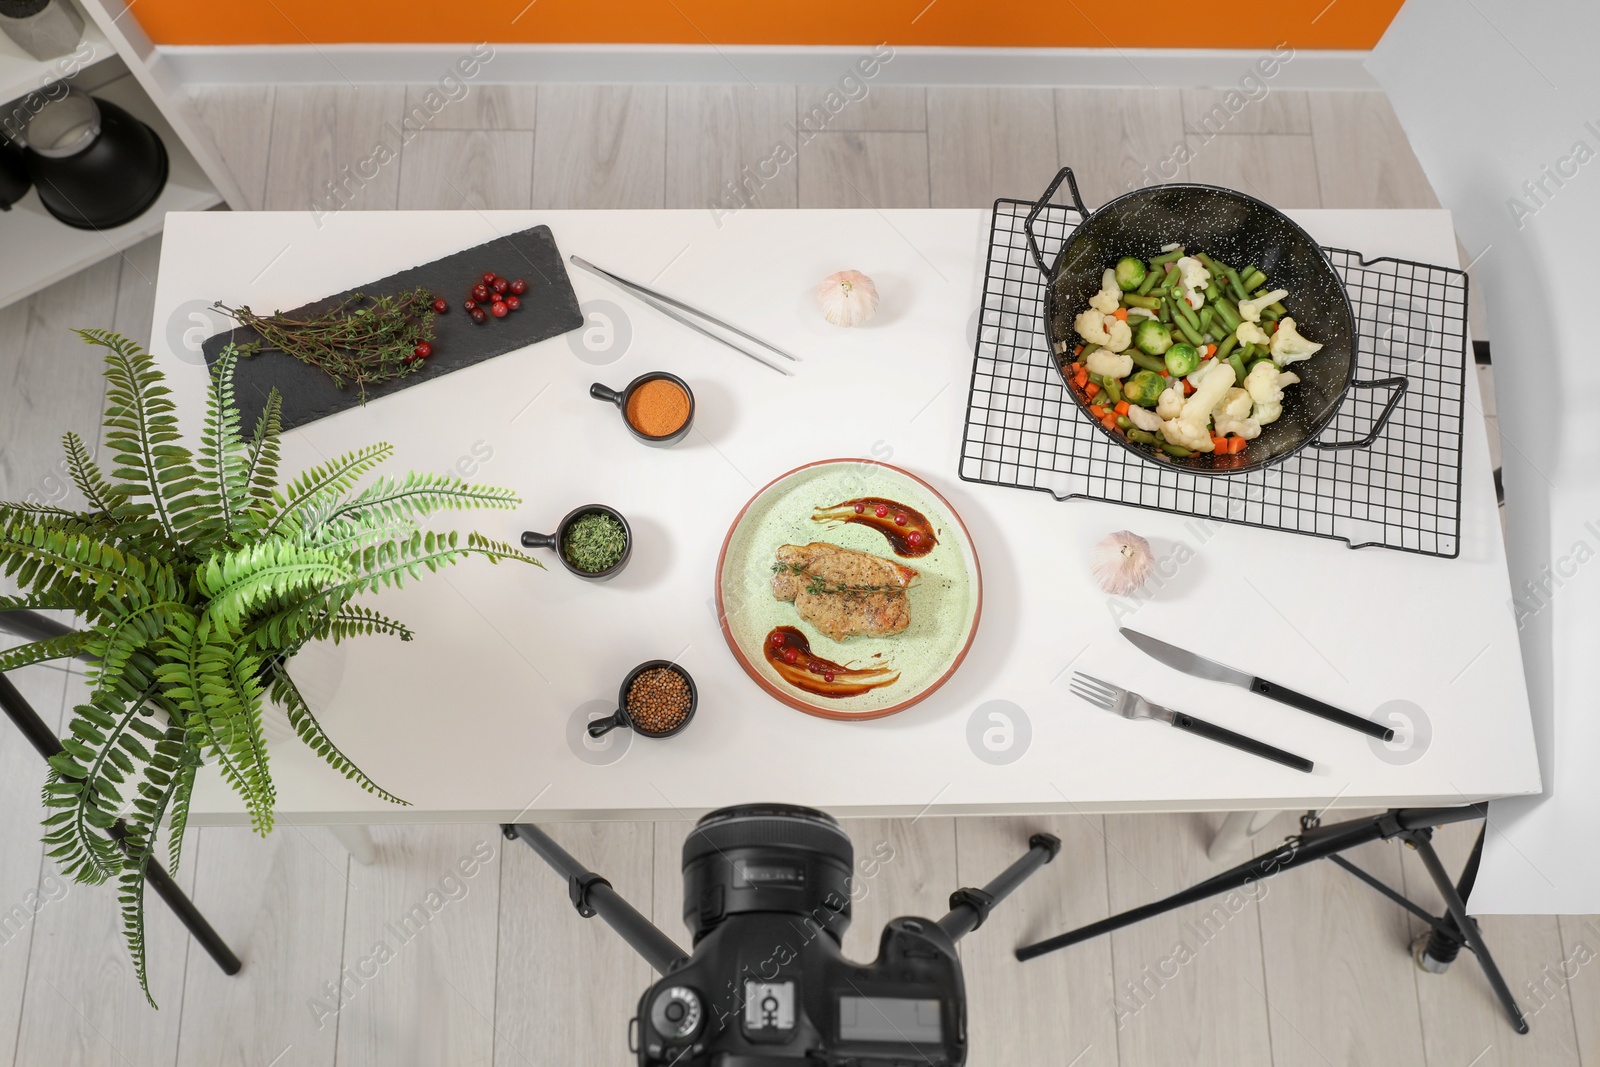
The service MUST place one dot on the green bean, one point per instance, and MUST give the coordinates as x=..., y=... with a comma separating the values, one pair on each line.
x=1167, y=257
x=1253, y=278
x=1207, y=317
x=1136, y=301
x=1097, y=379
x=1174, y=450
x=1165, y=312
x=1089, y=346
x=1124, y=422
x=1237, y=364
x=1113, y=390
x=1181, y=308
x=1147, y=362
x=1227, y=346
x=1188, y=331
x=1143, y=437
x=1211, y=265
x=1229, y=313
x=1235, y=284
x=1268, y=315
x=1150, y=279
x=1278, y=309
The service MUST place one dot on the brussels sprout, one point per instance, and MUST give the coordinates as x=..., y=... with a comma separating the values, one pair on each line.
x=1152, y=337
x=1182, y=359
x=1130, y=273
x=1144, y=388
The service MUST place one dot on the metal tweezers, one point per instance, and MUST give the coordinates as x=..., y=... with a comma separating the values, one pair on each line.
x=666, y=305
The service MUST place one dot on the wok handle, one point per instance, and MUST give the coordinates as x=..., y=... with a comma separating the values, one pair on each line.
x=1065, y=174
x=1399, y=386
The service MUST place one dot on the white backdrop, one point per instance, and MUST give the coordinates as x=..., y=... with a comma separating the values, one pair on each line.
x=1501, y=100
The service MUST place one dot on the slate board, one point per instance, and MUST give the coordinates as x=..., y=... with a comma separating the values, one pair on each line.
x=549, y=308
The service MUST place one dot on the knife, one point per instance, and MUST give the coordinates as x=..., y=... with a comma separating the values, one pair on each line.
x=1183, y=660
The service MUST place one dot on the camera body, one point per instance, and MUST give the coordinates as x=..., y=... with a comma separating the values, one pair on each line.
x=767, y=893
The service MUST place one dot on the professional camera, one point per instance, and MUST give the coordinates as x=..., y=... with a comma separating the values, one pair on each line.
x=767, y=894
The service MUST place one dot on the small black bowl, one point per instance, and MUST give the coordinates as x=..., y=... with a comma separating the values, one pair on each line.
x=604, y=392
x=601, y=727
x=553, y=541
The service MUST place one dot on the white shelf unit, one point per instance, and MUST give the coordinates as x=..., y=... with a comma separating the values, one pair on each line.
x=121, y=66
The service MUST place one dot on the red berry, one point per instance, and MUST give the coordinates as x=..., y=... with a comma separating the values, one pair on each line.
x=499, y=310
x=778, y=640
x=790, y=655
x=827, y=676
x=860, y=508
x=480, y=293
x=470, y=305
x=513, y=302
x=499, y=285
x=441, y=306
x=899, y=519
x=423, y=350
x=488, y=277
x=880, y=511
x=519, y=286
x=914, y=538
x=412, y=358
x=478, y=316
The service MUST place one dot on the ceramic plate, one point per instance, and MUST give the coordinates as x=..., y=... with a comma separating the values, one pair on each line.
x=944, y=600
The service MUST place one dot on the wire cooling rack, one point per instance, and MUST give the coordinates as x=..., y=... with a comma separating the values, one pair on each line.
x=1402, y=492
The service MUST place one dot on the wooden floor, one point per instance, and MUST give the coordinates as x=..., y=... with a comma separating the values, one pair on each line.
x=1314, y=971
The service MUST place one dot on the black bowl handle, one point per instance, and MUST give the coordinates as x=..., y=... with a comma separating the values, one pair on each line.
x=1077, y=203
x=1399, y=386
x=606, y=393
x=601, y=727
x=538, y=540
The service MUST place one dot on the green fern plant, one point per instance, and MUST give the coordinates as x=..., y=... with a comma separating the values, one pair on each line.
x=196, y=577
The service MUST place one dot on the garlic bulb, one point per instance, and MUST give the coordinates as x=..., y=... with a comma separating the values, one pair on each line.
x=848, y=298
x=1121, y=562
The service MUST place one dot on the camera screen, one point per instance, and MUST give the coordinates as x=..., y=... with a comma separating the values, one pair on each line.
x=895, y=1019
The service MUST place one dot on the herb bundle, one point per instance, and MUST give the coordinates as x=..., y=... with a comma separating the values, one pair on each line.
x=358, y=341
x=594, y=542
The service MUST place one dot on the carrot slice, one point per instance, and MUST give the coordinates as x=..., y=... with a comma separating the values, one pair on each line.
x=1078, y=351
x=1220, y=444
x=1120, y=313
x=1092, y=390
x=1121, y=408
x=1237, y=446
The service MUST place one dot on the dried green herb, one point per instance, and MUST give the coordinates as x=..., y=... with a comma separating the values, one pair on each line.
x=360, y=341
x=594, y=542
x=816, y=585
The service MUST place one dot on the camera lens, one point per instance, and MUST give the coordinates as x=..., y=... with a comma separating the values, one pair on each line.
x=767, y=858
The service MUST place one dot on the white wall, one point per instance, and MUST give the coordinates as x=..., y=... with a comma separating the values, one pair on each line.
x=1501, y=101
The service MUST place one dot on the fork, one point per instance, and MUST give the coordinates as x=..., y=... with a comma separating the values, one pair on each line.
x=1133, y=706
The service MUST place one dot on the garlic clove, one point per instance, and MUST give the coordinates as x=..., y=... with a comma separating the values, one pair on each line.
x=847, y=298
x=1121, y=562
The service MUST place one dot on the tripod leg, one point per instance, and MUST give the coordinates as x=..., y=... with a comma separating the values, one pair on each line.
x=969, y=907
x=1460, y=923
x=191, y=918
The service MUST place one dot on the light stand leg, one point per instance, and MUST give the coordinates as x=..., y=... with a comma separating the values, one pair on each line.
x=1459, y=923
x=592, y=895
x=357, y=840
x=969, y=907
x=1236, y=832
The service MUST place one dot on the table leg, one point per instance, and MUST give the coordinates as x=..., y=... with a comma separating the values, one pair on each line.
x=1233, y=836
x=358, y=841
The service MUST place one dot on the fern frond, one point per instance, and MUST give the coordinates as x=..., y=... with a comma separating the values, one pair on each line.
x=287, y=696
x=130, y=902
x=142, y=429
x=81, y=792
x=261, y=472
x=386, y=565
x=222, y=458
x=330, y=478
x=51, y=648
x=237, y=584
x=415, y=496
x=86, y=474
x=41, y=557
x=354, y=620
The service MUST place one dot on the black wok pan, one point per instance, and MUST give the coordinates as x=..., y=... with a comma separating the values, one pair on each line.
x=1238, y=230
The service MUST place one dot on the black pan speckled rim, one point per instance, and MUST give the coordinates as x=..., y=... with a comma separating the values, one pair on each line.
x=1139, y=450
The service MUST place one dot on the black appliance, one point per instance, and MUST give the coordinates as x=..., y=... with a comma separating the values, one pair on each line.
x=767, y=892
x=14, y=180
x=95, y=166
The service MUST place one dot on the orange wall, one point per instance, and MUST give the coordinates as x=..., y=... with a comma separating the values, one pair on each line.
x=1304, y=24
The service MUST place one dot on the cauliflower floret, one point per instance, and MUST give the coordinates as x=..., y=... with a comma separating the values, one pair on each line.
x=1232, y=415
x=1289, y=347
x=1109, y=364
x=1194, y=277
x=1189, y=429
x=1265, y=384
x=1091, y=326
x=1144, y=418
x=1105, y=301
x=1249, y=333
x=1121, y=334
x=1141, y=313
x=1250, y=310
x=1170, y=403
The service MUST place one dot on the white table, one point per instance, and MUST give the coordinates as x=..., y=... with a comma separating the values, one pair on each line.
x=473, y=721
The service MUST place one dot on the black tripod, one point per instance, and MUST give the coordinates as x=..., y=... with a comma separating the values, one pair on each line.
x=1447, y=933
x=37, y=627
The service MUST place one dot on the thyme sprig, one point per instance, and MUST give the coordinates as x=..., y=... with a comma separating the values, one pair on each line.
x=358, y=341
x=818, y=586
